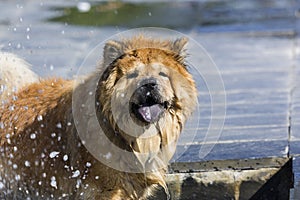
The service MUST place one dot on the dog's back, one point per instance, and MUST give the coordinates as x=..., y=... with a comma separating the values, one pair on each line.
x=14, y=74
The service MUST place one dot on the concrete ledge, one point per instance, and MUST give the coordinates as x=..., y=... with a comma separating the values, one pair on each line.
x=269, y=178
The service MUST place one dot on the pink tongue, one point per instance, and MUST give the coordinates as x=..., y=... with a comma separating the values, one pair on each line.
x=150, y=113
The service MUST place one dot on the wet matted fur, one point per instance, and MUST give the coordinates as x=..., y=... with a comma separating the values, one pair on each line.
x=42, y=155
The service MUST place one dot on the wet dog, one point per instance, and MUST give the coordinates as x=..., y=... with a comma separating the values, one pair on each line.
x=108, y=136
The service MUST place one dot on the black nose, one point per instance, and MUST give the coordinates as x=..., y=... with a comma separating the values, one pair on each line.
x=147, y=93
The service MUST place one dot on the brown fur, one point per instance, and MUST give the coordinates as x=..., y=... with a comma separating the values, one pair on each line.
x=40, y=122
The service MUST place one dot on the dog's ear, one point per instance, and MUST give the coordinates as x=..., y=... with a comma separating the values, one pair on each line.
x=179, y=46
x=112, y=51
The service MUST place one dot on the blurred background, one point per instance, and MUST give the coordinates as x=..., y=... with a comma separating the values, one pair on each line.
x=54, y=35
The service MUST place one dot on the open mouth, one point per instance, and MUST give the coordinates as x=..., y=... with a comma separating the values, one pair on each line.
x=147, y=104
x=150, y=111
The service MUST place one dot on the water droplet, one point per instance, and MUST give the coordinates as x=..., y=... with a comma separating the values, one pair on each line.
x=53, y=154
x=53, y=135
x=53, y=182
x=58, y=125
x=28, y=29
x=108, y=155
x=39, y=117
x=1, y=186
x=78, y=183
x=27, y=37
x=15, y=166
x=51, y=67
x=17, y=177
x=88, y=164
x=83, y=6
x=27, y=163
x=150, y=14
x=96, y=177
x=66, y=157
x=1, y=125
x=32, y=136
x=76, y=174
x=11, y=108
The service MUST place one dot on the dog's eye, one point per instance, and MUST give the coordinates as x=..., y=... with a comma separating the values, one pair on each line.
x=132, y=75
x=163, y=74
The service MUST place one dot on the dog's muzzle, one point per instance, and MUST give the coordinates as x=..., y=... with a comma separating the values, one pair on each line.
x=147, y=104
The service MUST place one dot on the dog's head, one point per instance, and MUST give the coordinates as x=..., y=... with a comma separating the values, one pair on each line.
x=147, y=93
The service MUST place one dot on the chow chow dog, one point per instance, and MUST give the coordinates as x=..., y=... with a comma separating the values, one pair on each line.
x=108, y=136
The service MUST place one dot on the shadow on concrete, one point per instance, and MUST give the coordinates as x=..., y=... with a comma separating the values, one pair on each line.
x=278, y=187
x=254, y=179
